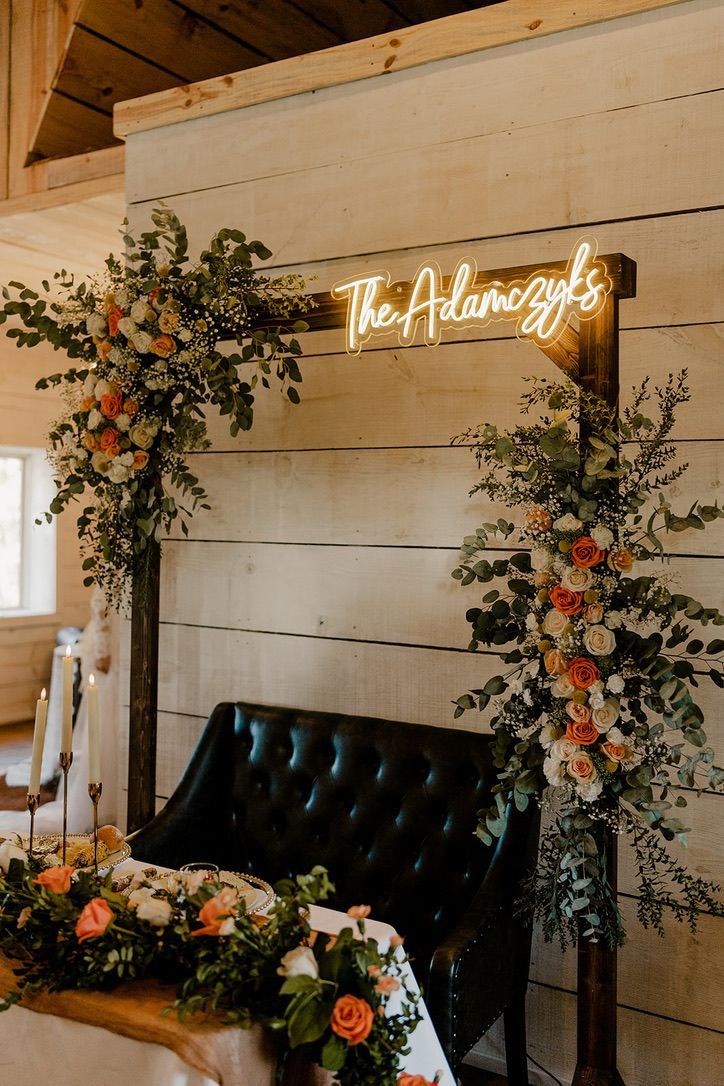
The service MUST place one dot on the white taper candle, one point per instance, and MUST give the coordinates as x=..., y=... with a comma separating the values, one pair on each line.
x=66, y=735
x=94, y=733
x=36, y=761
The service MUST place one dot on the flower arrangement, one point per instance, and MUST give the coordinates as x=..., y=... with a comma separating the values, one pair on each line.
x=143, y=337
x=596, y=720
x=341, y=1001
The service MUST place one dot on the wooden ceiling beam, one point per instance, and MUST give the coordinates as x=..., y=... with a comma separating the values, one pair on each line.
x=278, y=28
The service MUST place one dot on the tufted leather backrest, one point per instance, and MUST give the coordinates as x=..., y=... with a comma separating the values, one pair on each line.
x=389, y=808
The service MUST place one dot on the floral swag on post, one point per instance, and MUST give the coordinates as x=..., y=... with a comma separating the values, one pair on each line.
x=596, y=720
x=145, y=336
x=339, y=1000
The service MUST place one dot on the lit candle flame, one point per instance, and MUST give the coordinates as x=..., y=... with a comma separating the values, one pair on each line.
x=91, y=679
x=43, y=695
x=67, y=650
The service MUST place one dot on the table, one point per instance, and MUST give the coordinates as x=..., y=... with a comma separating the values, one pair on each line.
x=48, y=1044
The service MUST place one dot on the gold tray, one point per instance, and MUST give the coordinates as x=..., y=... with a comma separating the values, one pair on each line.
x=46, y=844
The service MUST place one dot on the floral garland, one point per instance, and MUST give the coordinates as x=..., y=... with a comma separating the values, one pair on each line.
x=329, y=1000
x=595, y=721
x=145, y=335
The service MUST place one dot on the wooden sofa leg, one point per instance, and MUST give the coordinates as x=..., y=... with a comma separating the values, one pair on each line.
x=516, y=1058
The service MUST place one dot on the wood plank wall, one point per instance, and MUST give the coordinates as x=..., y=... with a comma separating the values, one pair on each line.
x=321, y=576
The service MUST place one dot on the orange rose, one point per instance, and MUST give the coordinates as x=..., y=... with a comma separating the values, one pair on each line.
x=111, y=405
x=585, y=553
x=140, y=459
x=352, y=1019
x=620, y=560
x=583, y=733
x=114, y=315
x=130, y=407
x=414, y=1080
x=555, y=662
x=580, y=713
x=565, y=601
x=90, y=441
x=216, y=914
x=94, y=919
x=104, y=348
x=163, y=346
x=583, y=673
x=109, y=438
x=56, y=879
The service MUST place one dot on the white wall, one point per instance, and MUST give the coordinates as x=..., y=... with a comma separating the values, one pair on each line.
x=321, y=576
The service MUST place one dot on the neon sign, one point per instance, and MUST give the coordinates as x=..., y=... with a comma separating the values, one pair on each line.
x=541, y=305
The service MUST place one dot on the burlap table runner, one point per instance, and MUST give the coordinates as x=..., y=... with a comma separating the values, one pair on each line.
x=227, y=1054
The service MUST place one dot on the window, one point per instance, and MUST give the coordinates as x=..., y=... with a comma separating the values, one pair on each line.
x=27, y=550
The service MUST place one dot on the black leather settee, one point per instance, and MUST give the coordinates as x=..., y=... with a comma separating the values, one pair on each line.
x=390, y=810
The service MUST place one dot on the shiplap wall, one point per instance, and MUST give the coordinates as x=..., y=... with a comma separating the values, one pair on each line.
x=320, y=578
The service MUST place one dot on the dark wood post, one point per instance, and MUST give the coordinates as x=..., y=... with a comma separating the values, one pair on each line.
x=144, y=688
x=596, y=1034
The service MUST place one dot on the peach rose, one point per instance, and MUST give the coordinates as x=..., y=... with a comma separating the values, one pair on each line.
x=583, y=673
x=359, y=912
x=581, y=768
x=111, y=405
x=541, y=578
x=104, y=348
x=565, y=601
x=90, y=441
x=56, y=879
x=620, y=560
x=88, y=402
x=385, y=985
x=555, y=662
x=163, y=346
x=352, y=1019
x=585, y=553
x=130, y=407
x=217, y=915
x=94, y=919
x=563, y=687
x=538, y=519
x=583, y=733
x=109, y=438
x=617, y=752
x=114, y=315
x=140, y=459
x=593, y=614
x=580, y=713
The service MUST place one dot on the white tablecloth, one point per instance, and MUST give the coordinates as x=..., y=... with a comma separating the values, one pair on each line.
x=37, y=1048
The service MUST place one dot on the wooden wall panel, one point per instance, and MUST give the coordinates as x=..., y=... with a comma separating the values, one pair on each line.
x=320, y=577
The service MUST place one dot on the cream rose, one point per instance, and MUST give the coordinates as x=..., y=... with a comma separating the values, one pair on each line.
x=568, y=523
x=555, y=623
x=606, y=715
x=128, y=327
x=577, y=580
x=154, y=910
x=142, y=434
x=541, y=558
x=141, y=341
x=599, y=640
x=104, y=388
x=563, y=749
x=563, y=687
x=299, y=962
x=138, y=310
x=592, y=614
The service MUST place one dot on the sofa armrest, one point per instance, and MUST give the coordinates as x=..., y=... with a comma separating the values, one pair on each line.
x=195, y=823
x=483, y=963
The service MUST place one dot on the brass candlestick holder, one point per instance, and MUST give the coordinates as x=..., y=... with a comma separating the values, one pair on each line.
x=33, y=804
x=66, y=761
x=94, y=791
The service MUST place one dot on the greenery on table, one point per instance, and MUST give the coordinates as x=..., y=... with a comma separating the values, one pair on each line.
x=597, y=718
x=143, y=340
x=328, y=998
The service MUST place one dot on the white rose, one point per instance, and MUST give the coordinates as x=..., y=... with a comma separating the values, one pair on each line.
x=614, y=620
x=142, y=434
x=554, y=772
x=299, y=962
x=563, y=749
x=8, y=852
x=100, y=463
x=577, y=580
x=541, y=558
x=548, y=735
x=127, y=326
x=155, y=910
x=96, y=325
x=94, y=419
x=604, y=716
x=615, y=684
x=555, y=623
x=118, y=473
x=568, y=523
x=141, y=341
x=103, y=388
x=563, y=687
x=122, y=422
x=138, y=310
x=602, y=537
x=589, y=790
x=599, y=640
